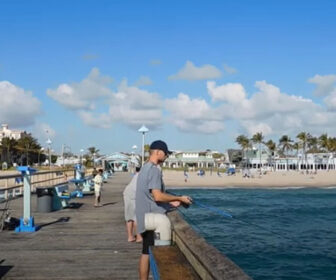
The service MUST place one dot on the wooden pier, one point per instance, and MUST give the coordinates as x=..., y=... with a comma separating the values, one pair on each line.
x=84, y=242
x=75, y=243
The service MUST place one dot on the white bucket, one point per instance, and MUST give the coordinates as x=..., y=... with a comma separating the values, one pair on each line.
x=160, y=224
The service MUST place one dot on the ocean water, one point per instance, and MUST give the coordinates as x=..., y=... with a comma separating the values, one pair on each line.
x=274, y=233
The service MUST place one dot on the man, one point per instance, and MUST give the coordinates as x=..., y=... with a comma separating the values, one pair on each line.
x=129, y=208
x=151, y=198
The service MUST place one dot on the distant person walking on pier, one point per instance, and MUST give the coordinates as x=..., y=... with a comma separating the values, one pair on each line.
x=151, y=198
x=98, y=184
x=129, y=208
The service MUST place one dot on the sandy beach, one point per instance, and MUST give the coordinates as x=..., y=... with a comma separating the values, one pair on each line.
x=284, y=179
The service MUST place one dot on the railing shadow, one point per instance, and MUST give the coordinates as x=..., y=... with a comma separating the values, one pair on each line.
x=4, y=268
x=60, y=220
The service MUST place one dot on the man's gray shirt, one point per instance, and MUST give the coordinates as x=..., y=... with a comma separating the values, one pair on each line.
x=149, y=178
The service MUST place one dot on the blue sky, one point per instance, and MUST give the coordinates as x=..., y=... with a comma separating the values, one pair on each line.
x=197, y=73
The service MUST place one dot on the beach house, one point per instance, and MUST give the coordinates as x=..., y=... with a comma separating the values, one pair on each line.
x=254, y=159
x=194, y=159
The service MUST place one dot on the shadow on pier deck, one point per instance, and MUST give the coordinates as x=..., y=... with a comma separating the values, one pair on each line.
x=75, y=243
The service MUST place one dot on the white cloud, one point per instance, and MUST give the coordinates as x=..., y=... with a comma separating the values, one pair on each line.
x=271, y=111
x=102, y=120
x=84, y=94
x=18, y=107
x=254, y=127
x=330, y=101
x=270, y=100
x=191, y=72
x=143, y=81
x=232, y=93
x=229, y=70
x=324, y=84
x=43, y=131
x=135, y=106
x=267, y=109
x=99, y=106
x=283, y=113
x=194, y=115
x=129, y=105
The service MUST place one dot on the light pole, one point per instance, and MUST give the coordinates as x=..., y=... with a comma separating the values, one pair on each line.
x=40, y=151
x=143, y=130
x=49, y=142
x=94, y=157
x=64, y=146
x=134, y=147
x=81, y=156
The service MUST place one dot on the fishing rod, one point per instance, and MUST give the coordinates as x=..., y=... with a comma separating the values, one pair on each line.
x=202, y=205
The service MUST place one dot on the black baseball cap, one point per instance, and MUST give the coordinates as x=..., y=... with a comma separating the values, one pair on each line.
x=160, y=145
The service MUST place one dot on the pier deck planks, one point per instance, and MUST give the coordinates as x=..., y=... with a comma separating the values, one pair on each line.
x=73, y=243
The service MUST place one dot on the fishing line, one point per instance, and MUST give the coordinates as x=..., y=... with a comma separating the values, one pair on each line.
x=225, y=214
x=193, y=223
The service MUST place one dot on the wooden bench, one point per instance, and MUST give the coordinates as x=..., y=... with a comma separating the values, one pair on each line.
x=62, y=196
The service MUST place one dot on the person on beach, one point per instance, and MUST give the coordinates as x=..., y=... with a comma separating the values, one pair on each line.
x=152, y=198
x=129, y=208
x=185, y=174
x=98, y=184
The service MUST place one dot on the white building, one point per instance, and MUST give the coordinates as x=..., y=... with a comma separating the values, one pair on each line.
x=197, y=159
x=119, y=161
x=13, y=134
x=309, y=162
x=66, y=161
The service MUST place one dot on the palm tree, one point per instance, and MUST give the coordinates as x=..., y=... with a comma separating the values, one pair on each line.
x=8, y=144
x=286, y=144
x=258, y=138
x=146, y=151
x=271, y=147
x=28, y=144
x=93, y=152
x=332, y=148
x=296, y=147
x=303, y=141
x=244, y=143
x=1, y=151
x=324, y=143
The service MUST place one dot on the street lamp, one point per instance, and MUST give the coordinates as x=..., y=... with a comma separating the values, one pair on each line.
x=40, y=151
x=81, y=156
x=134, y=147
x=64, y=146
x=94, y=158
x=143, y=130
x=49, y=147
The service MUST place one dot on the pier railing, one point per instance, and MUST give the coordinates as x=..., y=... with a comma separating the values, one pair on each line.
x=206, y=260
x=11, y=186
